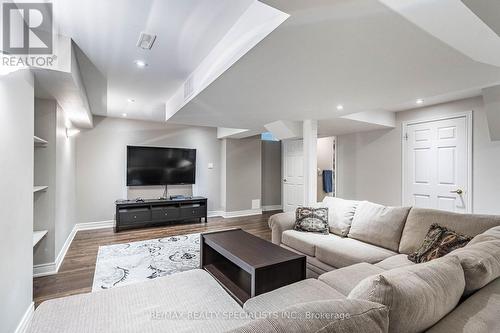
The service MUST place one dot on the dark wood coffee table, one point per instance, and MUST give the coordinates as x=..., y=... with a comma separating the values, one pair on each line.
x=246, y=265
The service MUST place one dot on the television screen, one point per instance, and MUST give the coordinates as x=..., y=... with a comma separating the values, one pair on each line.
x=147, y=166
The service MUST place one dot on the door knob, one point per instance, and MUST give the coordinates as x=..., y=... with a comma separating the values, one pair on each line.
x=459, y=192
x=284, y=180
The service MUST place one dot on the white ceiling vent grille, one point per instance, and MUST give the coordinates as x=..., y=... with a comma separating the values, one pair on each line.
x=188, y=88
x=146, y=41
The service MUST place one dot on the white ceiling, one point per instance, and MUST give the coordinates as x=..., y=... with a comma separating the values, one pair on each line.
x=358, y=53
x=107, y=32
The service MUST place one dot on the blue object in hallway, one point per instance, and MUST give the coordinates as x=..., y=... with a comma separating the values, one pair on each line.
x=328, y=181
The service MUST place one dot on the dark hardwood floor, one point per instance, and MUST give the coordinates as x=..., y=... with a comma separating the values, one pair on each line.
x=77, y=270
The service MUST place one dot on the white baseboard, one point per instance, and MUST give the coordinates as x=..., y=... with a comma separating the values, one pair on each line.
x=272, y=207
x=215, y=213
x=53, y=267
x=240, y=213
x=26, y=319
x=44, y=269
x=95, y=225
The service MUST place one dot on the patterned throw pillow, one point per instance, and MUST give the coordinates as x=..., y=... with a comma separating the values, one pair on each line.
x=311, y=219
x=438, y=242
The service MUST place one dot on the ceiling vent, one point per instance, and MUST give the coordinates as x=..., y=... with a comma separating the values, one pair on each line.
x=146, y=41
x=188, y=88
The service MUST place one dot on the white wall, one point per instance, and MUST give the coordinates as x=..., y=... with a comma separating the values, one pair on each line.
x=65, y=191
x=101, y=163
x=369, y=164
x=16, y=180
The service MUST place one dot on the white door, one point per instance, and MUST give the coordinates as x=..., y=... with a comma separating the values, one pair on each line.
x=437, y=165
x=293, y=174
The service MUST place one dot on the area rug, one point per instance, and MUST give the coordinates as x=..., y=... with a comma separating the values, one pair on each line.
x=123, y=264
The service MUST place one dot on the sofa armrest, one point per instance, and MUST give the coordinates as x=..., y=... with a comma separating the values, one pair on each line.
x=279, y=223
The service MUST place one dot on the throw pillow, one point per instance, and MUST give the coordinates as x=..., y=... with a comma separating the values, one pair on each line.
x=311, y=219
x=378, y=225
x=340, y=214
x=438, y=242
x=417, y=296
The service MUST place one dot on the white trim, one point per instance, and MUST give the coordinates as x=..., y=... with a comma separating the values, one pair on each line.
x=26, y=319
x=95, y=225
x=215, y=213
x=240, y=213
x=44, y=269
x=272, y=207
x=53, y=267
x=469, y=133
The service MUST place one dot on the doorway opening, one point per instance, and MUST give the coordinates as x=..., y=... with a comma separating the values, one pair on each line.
x=326, y=155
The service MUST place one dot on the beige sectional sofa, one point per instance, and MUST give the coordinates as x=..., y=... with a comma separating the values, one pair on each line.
x=343, y=259
x=361, y=281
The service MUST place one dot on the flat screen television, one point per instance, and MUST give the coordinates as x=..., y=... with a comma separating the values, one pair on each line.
x=148, y=166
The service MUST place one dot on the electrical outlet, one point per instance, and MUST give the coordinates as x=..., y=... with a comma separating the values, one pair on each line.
x=210, y=165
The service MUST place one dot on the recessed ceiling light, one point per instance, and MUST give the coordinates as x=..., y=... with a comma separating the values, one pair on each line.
x=340, y=107
x=131, y=100
x=420, y=101
x=124, y=115
x=140, y=63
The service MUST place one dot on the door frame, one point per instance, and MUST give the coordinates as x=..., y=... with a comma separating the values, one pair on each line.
x=469, y=138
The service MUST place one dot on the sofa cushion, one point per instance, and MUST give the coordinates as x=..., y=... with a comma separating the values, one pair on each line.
x=329, y=316
x=142, y=307
x=438, y=242
x=300, y=292
x=417, y=296
x=343, y=252
x=346, y=278
x=481, y=264
x=340, y=214
x=420, y=219
x=488, y=235
x=305, y=242
x=311, y=219
x=378, y=225
x=397, y=261
x=477, y=314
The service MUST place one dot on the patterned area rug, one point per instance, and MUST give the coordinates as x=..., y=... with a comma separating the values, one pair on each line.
x=123, y=264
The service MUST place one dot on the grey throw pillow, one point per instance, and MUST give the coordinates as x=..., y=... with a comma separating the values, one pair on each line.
x=311, y=219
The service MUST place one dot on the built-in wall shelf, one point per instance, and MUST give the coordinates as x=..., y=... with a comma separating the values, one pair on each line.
x=39, y=188
x=38, y=235
x=39, y=142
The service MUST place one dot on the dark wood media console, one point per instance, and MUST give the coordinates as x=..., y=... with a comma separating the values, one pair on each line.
x=139, y=214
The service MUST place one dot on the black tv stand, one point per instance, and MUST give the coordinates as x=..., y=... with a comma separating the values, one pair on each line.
x=131, y=214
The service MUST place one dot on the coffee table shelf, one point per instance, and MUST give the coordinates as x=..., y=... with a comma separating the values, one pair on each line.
x=232, y=288
x=246, y=265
